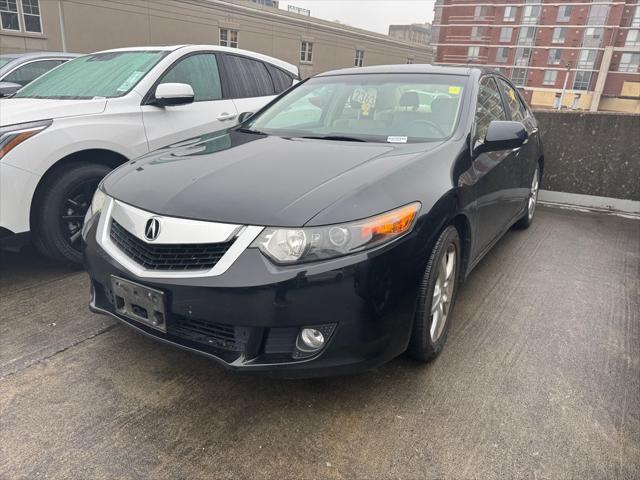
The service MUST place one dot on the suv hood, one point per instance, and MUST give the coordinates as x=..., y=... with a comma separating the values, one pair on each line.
x=250, y=179
x=20, y=110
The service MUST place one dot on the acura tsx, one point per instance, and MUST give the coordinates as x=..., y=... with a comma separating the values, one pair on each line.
x=328, y=232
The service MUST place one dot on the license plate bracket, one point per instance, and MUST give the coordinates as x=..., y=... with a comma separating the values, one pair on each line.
x=140, y=303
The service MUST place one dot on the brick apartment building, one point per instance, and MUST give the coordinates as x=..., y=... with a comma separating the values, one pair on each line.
x=583, y=54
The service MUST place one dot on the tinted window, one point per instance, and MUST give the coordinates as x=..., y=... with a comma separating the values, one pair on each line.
x=29, y=72
x=489, y=107
x=201, y=72
x=247, y=77
x=281, y=80
x=514, y=105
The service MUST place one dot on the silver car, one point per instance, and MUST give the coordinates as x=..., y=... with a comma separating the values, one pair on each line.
x=18, y=69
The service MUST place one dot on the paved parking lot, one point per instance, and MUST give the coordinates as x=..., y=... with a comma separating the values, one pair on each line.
x=540, y=379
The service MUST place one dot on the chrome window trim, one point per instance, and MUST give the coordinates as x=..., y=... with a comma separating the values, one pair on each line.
x=173, y=230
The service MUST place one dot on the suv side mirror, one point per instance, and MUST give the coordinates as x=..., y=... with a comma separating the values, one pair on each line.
x=244, y=116
x=504, y=135
x=8, y=88
x=171, y=94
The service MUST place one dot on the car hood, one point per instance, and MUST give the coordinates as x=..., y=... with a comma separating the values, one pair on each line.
x=250, y=179
x=20, y=110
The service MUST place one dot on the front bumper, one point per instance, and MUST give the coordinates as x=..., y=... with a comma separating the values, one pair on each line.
x=249, y=317
x=17, y=187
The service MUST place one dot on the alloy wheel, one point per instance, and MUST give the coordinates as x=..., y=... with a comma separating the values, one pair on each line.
x=443, y=292
x=73, y=210
x=533, y=194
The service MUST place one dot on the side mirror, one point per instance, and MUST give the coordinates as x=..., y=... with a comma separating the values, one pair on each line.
x=171, y=94
x=244, y=116
x=8, y=88
x=503, y=135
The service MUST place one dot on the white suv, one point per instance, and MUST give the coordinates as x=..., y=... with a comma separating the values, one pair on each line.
x=63, y=132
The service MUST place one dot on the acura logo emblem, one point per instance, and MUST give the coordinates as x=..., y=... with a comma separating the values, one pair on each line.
x=152, y=228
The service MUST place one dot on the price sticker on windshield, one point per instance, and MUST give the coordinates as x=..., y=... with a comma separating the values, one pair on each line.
x=131, y=81
x=366, y=97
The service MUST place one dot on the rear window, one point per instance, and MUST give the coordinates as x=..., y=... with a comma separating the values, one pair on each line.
x=110, y=74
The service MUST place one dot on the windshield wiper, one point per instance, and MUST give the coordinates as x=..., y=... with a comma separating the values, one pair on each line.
x=334, y=137
x=248, y=130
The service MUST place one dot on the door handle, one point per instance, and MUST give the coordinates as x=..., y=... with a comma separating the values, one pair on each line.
x=223, y=117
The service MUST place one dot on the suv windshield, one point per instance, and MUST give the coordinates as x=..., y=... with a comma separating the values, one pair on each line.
x=111, y=74
x=395, y=108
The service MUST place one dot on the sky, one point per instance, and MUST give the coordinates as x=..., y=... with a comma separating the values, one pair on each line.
x=375, y=15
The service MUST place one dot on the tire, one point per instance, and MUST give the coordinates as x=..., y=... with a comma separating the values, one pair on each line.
x=66, y=193
x=430, y=334
x=532, y=201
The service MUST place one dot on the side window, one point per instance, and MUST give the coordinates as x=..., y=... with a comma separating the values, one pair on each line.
x=281, y=80
x=247, y=78
x=514, y=104
x=29, y=72
x=489, y=107
x=201, y=72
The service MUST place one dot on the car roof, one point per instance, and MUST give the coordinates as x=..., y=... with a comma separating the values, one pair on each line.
x=192, y=48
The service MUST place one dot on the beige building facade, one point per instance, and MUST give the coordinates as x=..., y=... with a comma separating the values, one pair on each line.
x=90, y=25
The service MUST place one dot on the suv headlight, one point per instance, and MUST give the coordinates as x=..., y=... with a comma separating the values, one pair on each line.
x=299, y=245
x=13, y=135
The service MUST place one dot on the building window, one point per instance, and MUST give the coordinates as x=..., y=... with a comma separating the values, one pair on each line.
x=477, y=33
x=9, y=15
x=506, y=33
x=510, y=14
x=550, y=77
x=592, y=37
x=359, y=58
x=633, y=38
x=587, y=59
x=635, y=21
x=564, y=13
x=473, y=53
x=531, y=14
x=555, y=56
x=519, y=76
x=502, y=54
x=522, y=57
x=582, y=81
x=228, y=38
x=31, y=15
x=598, y=15
x=306, y=52
x=558, y=35
x=629, y=62
x=527, y=36
x=409, y=60
x=480, y=12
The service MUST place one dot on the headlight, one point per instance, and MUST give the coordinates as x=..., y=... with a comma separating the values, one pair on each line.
x=97, y=202
x=13, y=135
x=299, y=245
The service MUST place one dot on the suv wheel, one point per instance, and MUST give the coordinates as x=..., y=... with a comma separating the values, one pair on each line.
x=59, y=213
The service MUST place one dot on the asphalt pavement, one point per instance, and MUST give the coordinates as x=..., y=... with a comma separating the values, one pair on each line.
x=540, y=379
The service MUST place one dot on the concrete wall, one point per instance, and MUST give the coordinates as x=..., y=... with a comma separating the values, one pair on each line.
x=591, y=153
x=91, y=25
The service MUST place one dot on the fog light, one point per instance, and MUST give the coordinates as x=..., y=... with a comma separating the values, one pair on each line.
x=311, y=338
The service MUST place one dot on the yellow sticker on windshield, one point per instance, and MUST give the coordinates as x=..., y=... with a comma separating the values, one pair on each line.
x=512, y=94
x=454, y=90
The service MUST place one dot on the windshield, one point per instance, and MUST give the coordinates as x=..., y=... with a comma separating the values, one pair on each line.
x=107, y=75
x=394, y=108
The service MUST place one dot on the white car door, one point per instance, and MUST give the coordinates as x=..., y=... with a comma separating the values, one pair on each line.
x=208, y=112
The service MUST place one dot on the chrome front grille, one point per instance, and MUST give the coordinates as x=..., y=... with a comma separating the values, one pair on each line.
x=167, y=257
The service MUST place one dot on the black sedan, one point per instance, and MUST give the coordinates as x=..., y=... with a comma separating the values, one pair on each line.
x=326, y=234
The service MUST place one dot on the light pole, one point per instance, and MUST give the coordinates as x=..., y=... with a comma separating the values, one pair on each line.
x=564, y=86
